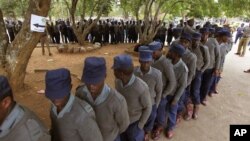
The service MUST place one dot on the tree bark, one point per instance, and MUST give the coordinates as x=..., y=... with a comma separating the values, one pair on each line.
x=4, y=41
x=19, y=52
x=81, y=36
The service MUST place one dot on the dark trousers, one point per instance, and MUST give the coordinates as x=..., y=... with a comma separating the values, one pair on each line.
x=206, y=83
x=195, y=88
x=106, y=38
x=161, y=113
x=151, y=120
x=237, y=37
x=57, y=37
x=183, y=100
x=172, y=113
x=214, y=81
x=133, y=133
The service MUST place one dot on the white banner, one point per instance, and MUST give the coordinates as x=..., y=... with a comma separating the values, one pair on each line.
x=37, y=23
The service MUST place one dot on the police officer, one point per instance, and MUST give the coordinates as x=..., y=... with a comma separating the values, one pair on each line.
x=181, y=73
x=190, y=60
x=71, y=118
x=137, y=95
x=212, y=71
x=18, y=123
x=169, y=83
x=109, y=105
x=224, y=48
x=153, y=78
x=202, y=63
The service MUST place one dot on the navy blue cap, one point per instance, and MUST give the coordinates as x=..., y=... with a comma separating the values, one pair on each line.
x=122, y=61
x=145, y=55
x=155, y=46
x=58, y=83
x=177, y=48
x=4, y=85
x=224, y=32
x=196, y=36
x=143, y=48
x=186, y=36
x=204, y=30
x=94, y=70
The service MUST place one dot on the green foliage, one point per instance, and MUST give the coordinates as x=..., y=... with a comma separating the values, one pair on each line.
x=135, y=8
x=14, y=8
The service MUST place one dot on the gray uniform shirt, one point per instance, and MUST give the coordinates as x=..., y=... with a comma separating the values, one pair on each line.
x=78, y=124
x=154, y=80
x=181, y=73
x=224, y=49
x=111, y=113
x=203, y=58
x=137, y=95
x=190, y=60
x=168, y=78
x=23, y=125
x=214, y=52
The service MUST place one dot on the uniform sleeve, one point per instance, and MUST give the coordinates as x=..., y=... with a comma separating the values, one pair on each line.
x=145, y=101
x=191, y=70
x=217, y=57
x=170, y=77
x=206, y=59
x=158, y=88
x=88, y=130
x=121, y=115
x=182, y=85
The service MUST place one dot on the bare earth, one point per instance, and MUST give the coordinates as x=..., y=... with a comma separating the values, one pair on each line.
x=230, y=106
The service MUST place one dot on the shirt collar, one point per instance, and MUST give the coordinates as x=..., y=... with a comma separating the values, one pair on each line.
x=140, y=72
x=161, y=58
x=65, y=109
x=12, y=119
x=131, y=81
x=178, y=63
x=101, y=98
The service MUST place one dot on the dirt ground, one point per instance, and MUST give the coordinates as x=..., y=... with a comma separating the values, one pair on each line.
x=230, y=106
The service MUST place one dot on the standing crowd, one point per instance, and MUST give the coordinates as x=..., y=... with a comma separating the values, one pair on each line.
x=147, y=99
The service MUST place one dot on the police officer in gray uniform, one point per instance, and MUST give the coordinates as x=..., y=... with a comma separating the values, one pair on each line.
x=72, y=119
x=202, y=63
x=181, y=73
x=169, y=83
x=190, y=60
x=137, y=95
x=109, y=105
x=18, y=123
x=153, y=78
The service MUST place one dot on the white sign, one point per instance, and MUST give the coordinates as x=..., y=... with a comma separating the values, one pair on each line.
x=37, y=23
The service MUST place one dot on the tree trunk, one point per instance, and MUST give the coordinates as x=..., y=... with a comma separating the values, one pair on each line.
x=19, y=52
x=4, y=42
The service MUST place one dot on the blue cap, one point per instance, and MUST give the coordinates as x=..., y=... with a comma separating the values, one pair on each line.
x=177, y=48
x=196, y=36
x=224, y=32
x=204, y=30
x=58, y=83
x=186, y=36
x=94, y=70
x=4, y=86
x=143, y=48
x=155, y=46
x=122, y=61
x=145, y=55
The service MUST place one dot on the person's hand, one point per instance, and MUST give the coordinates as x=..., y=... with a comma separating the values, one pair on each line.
x=216, y=73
